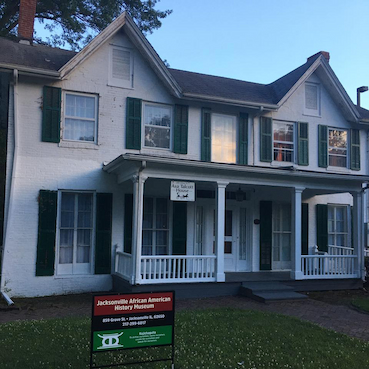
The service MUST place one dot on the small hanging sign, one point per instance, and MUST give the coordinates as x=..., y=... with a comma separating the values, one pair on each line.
x=182, y=191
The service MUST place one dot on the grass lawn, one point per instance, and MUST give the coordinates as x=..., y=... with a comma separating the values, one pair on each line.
x=362, y=303
x=204, y=339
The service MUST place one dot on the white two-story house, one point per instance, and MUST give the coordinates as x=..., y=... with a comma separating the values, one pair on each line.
x=98, y=143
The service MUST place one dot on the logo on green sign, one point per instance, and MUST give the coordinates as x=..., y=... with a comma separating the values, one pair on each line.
x=109, y=341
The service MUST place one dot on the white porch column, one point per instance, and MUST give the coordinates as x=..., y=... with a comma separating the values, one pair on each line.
x=138, y=191
x=358, y=234
x=219, y=234
x=296, y=272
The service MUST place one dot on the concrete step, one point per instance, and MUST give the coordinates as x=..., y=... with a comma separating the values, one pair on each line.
x=269, y=291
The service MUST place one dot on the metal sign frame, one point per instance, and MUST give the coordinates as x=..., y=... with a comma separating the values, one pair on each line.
x=114, y=315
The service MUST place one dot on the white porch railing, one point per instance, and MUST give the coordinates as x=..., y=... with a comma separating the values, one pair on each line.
x=328, y=266
x=340, y=250
x=124, y=265
x=180, y=269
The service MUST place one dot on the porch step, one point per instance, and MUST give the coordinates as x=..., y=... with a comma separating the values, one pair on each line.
x=269, y=291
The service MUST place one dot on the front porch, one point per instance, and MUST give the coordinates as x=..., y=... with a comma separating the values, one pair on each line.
x=202, y=268
x=275, y=223
x=233, y=283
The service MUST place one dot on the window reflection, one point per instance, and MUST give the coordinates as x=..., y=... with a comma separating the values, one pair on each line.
x=223, y=138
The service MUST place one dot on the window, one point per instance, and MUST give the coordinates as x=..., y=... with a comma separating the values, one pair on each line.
x=158, y=125
x=199, y=230
x=337, y=226
x=155, y=230
x=223, y=138
x=283, y=141
x=76, y=224
x=337, y=147
x=121, y=67
x=80, y=117
x=312, y=99
x=281, y=236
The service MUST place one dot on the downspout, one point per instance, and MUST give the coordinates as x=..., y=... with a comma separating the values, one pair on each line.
x=9, y=209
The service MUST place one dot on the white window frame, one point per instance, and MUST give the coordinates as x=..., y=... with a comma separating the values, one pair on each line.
x=281, y=264
x=308, y=111
x=75, y=268
x=144, y=105
x=347, y=220
x=65, y=116
x=332, y=147
x=154, y=229
x=117, y=82
x=293, y=142
x=234, y=118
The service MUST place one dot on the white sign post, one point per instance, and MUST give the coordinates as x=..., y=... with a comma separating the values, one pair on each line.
x=182, y=191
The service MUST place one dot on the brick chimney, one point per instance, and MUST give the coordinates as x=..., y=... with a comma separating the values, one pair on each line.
x=27, y=11
x=324, y=53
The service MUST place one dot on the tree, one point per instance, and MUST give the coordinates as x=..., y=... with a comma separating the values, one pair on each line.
x=80, y=20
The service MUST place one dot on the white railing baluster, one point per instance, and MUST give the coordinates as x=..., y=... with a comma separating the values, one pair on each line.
x=328, y=266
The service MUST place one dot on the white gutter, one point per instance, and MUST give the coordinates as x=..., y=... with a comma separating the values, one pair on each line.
x=12, y=180
x=30, y=70
x=283, y=171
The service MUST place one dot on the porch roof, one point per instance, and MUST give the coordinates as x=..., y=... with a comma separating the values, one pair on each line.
x=127, y=165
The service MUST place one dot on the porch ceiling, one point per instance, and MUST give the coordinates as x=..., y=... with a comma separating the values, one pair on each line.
x=127, y=165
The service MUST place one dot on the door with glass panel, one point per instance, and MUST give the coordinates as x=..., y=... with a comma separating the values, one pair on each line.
x=76, y=234
x=281, y=254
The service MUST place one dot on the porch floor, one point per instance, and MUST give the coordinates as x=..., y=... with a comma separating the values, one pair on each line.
x=257, y=276
x=233, y=283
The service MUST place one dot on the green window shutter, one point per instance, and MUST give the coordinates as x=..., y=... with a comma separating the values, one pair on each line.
x=128, y=223
x=206, y=135
x=243, y=138
x=266, y=139
x=180, y=129
x=179, y=228
x=322, y=227
x=104, y=207
x=355, y=149
x=51, y=114
x=46, y=233
x=304, y=229
x=303, y=143
x=322, y=146
x=266, y=235
x=133, y=123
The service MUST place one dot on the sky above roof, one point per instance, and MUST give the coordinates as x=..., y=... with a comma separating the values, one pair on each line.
x=262, y=40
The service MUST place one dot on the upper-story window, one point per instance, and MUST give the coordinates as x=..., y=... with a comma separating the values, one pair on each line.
x=283, y=141
x=80, y=117
x=157, y=125
x=121, y=67
x=312, y=99
x=337, y=147
x=223, y=138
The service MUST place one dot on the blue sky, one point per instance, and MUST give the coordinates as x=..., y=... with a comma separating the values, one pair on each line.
x=262, y=40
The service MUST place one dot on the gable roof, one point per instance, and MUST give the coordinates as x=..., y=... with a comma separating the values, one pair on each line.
x=40, y=58
x=58, y=63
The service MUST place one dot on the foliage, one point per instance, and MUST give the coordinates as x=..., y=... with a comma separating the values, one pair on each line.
x=204, y=339
x=80, y=20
